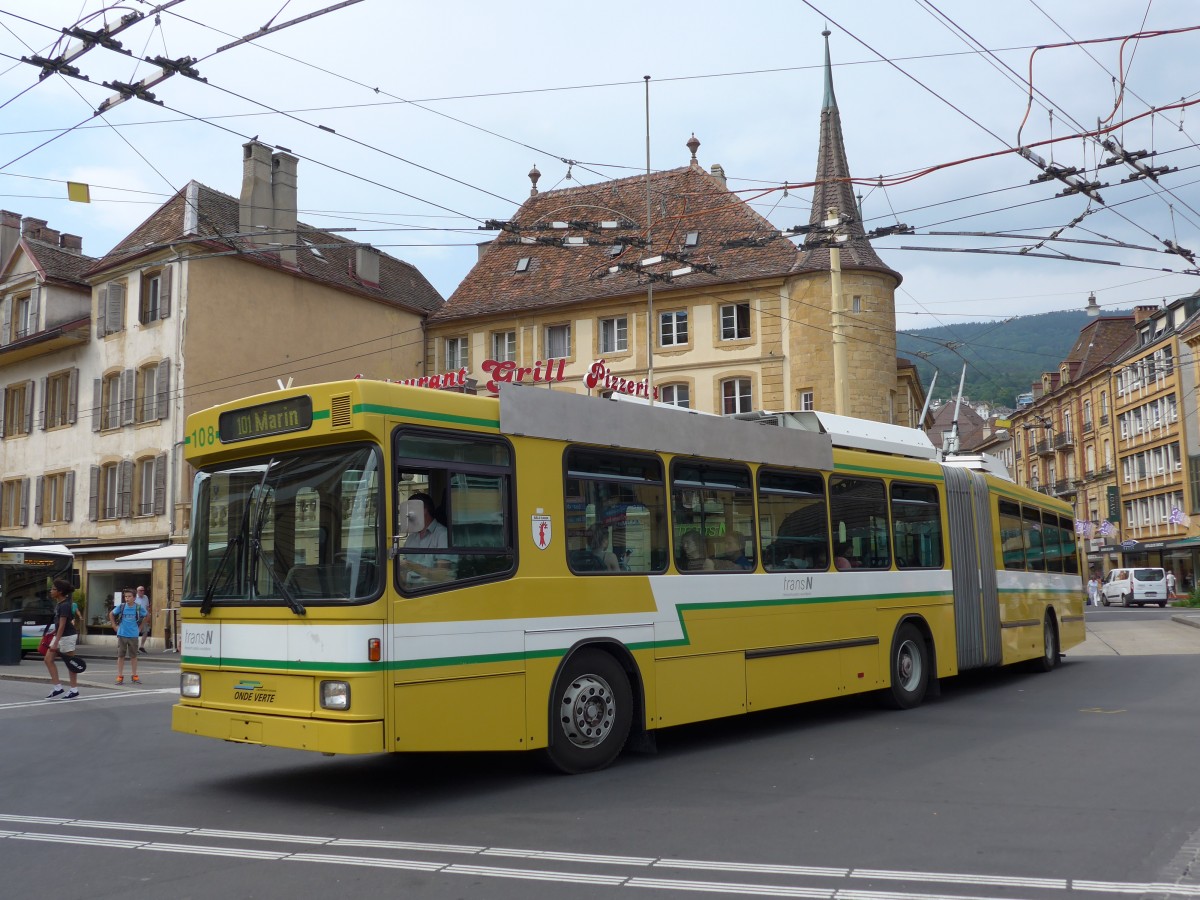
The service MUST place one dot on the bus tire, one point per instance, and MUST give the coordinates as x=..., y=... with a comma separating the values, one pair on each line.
x=591, y=710
x=1050, y=657
x=908, y=667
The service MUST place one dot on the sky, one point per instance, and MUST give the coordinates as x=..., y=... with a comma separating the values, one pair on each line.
x=417, y=122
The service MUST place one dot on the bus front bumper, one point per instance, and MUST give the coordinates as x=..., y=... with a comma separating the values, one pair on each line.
x=279, y=731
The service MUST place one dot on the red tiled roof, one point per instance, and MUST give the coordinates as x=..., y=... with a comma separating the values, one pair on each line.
x=58, y=264
x=682, y=200
x=330, y=261
x=1100, y=342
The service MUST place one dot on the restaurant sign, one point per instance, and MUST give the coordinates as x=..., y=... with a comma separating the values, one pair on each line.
x=541, y=372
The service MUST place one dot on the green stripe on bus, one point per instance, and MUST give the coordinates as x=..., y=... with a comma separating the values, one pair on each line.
x=320, y=414
x=874, y=470
x=426, y=415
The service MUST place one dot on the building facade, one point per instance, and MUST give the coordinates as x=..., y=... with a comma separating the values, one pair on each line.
x=211, y=298
x=707, y=306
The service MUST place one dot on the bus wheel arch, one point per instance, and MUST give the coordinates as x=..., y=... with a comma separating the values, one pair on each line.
x=595, y=699
x=911, y=664
x=1050, y=657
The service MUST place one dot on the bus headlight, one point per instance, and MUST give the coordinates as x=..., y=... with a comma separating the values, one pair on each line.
x=189, y=684
x=335, y=695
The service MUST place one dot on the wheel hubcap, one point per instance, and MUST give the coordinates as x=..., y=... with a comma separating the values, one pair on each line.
x=588, y=711
x=908, y=666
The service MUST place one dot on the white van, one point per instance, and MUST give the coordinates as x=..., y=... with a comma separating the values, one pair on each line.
x=1135, y=586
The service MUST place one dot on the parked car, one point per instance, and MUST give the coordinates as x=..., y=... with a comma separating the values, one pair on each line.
x=1130, y=587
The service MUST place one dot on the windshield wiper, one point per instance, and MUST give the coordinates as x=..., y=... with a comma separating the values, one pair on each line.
x=256, y=549
x=225, y=562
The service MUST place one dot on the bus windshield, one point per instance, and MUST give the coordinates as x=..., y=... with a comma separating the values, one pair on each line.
x=292, y=528
x=26, y=574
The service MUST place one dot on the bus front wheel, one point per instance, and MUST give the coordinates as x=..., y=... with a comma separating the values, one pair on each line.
x=909, y=668
x=591, y=709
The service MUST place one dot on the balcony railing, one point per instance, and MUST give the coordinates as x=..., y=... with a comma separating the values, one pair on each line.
x=1063, y=439
x=1087, y=426
x=1045, y=448
x=1104, y=420
x=1064, y=486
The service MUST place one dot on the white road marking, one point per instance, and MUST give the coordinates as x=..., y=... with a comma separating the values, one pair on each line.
x=720, y=887
x=69, y=836
x=260, y=836
x=88, y=698
x=215, y=851
x=406, y=845
x=1121, y=887
x=571, y=857
x=947, y=878
x=373, y=861
x=535, y=875
x=762, y=868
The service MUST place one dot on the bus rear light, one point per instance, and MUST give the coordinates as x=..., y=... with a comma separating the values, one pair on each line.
x=189, y=684
x=335, y=695
x=373, y=653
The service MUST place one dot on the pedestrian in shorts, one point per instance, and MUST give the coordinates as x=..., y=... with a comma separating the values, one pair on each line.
x=63, y=642
x=126, y=619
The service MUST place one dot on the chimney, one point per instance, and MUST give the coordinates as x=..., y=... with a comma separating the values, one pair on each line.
x=283, y=202
x=482, y=248
x=254, y=207
x=366, y=264
x=72, y=243
x=32, y=228
x=718, y=172
x=1142, y=313
x=10, y=233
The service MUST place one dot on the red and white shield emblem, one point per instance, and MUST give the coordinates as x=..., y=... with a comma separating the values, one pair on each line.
x=541, y=532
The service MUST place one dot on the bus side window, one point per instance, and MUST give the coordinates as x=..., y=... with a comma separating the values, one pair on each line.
x=793, y=523
x=712, y=514
x=858, y=506
x=917, y=526
x=1012, y=540
x=615, y=512
x=468, y=479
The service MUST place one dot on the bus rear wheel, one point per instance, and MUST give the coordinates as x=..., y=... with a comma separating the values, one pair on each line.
x=591, y=710
x=909, y=668
x=1050, y=657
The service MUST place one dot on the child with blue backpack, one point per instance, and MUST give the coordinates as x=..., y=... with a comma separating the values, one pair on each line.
x=126, y=619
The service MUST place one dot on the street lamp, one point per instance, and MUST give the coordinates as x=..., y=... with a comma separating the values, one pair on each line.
x=1093, y=308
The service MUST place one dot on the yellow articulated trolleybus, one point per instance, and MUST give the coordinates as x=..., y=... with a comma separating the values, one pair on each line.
x=375, y=567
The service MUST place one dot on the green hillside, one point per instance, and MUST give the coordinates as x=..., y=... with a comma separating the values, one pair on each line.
x=1003, y=358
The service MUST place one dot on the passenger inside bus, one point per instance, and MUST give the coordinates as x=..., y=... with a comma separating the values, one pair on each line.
x=691, y=555
x=731, y=554
x=841, y=558
x=598, y=545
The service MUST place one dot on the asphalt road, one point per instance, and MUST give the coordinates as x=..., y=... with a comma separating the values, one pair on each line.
x=1011, y=785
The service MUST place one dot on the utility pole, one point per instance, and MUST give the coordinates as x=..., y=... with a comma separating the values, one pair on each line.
x=841, y=384
x=649, y=282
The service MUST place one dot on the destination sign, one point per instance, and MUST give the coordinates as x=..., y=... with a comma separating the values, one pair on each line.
x=279, y=417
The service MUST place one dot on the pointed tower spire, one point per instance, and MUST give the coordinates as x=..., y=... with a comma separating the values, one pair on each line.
x=833, y=190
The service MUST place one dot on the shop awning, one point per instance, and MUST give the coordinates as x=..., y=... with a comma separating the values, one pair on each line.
x=168, y=551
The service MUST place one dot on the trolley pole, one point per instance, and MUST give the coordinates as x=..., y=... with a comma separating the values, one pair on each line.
x=841, y=385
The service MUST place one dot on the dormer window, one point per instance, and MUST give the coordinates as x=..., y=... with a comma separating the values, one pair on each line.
x=523, y=264
x=616, y=250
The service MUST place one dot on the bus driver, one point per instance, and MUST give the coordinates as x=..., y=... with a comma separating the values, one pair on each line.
x=427, y=533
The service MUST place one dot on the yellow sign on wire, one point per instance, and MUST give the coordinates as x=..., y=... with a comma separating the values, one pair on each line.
x=77, y=192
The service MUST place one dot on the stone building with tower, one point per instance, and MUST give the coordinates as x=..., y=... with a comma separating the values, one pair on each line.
x=670, y=285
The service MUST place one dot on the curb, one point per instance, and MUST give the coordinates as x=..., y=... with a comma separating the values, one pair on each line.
x=1192, y=619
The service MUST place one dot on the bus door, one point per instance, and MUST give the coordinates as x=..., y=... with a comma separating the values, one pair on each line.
x=973, y=564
